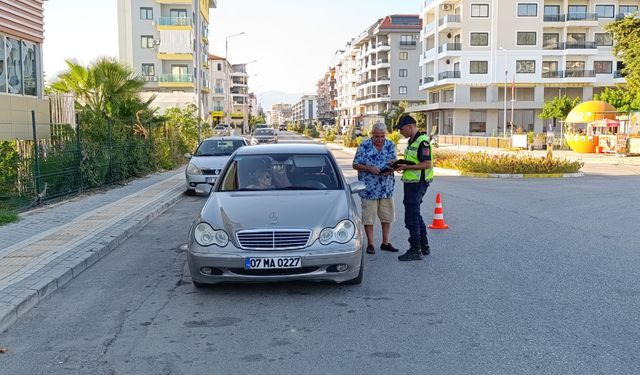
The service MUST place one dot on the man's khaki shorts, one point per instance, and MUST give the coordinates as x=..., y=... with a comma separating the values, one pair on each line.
x=382, y=208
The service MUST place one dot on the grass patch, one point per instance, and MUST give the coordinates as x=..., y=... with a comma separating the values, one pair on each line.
x=480, y=162
x=8, y=216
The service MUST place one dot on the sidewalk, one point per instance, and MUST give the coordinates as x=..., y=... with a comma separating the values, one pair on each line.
x=51, y=245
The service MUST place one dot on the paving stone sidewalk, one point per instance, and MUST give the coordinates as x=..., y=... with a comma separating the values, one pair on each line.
x=51, y=245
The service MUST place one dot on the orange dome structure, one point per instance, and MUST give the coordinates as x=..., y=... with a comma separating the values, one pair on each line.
x=591, y=111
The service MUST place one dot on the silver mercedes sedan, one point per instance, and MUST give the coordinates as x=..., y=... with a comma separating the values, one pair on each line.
x=277, y=213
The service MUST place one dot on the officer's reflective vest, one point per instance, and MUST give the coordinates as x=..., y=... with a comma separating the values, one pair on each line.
x=411, y=154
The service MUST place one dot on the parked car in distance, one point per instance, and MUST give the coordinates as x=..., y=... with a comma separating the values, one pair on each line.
x=262, y=126
x=264, y=135
x=207, y=162
x=279, y=213
x=222, y=129
x=282, y=127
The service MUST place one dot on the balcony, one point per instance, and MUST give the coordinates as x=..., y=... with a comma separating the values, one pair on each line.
x=582, y=17
x=217, y=108
x=408, y=44
x=175, y=56
x=429, y=28
x=449, y=19
x=149, y=78
x=579, y=73
x=618, y=74
x=174, y=23
x=176, y=80
x=450, y=47
x=579, y=45
x=449, y=74
x=553, y=74
x=554, y=18
x=426, y=80
x=383, y=46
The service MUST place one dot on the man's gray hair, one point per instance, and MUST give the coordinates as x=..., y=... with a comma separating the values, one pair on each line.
x=379, y=126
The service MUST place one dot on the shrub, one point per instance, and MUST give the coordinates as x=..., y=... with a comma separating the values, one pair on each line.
x=349, y=139
x=311, y=131
x=394, y=137
x=479, y=162
x=329, y=136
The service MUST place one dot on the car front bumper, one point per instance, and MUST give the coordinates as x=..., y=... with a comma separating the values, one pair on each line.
x=200, y=183
x=317, y=263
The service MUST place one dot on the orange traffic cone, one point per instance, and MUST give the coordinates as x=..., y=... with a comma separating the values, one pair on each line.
x=438, y=216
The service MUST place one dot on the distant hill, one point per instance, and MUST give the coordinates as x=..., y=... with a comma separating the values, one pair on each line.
x=269, y=98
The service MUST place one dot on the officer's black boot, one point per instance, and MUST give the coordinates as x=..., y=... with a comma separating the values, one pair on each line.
x=424, y=246
x=413, y=253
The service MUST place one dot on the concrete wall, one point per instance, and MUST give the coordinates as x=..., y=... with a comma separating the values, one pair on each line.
x=15, y=117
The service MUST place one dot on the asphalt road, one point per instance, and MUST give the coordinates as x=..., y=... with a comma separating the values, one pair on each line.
x=534, y=277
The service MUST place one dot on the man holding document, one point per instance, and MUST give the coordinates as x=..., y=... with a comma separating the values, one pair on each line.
x=417, y=174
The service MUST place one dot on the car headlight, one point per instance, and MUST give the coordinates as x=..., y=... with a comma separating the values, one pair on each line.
x=193, y=169
x=343, y=232
x=205, y=235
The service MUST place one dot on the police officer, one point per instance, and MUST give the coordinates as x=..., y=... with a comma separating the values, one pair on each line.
x=416, y=178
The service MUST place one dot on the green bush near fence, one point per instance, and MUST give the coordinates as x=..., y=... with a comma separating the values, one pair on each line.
x=480, y=162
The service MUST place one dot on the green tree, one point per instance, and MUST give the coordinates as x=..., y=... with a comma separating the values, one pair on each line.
x=623, y=100
x=626, y=33
x=558, y=108
x=393, y=115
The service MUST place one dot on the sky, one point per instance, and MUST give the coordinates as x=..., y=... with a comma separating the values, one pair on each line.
x=292, y=41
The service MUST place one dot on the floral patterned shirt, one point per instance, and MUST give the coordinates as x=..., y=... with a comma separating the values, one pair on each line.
x=378, y=187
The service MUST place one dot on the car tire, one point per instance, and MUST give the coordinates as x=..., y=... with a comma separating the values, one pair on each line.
x=358, y=279
x=199, y=285
x=190, y=192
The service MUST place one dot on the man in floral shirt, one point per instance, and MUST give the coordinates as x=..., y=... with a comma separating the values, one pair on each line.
x=373, y=155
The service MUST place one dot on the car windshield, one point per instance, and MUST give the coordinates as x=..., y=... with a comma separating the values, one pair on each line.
x=218, y=147
x=220, y=127
x=263, y=132
x=281, y=172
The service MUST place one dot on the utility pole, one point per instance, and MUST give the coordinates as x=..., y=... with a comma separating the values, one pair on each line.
x=198, y=65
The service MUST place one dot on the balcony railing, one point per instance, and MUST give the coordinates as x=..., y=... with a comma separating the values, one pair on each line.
x=618, y=74
x=552, y=45
x=579, y=45
x=449, y=18
x=554, y=17
x=579, y=73
x=553, y=74
x=429, y=27
x=449, y=74
x=450, y=47
x=218, y=90
x=176, y=78
x=174, y=21
x=426, y=80
x=621, y=16
x=582, y=17
x=150, y=78
x=383, y=61
x=217, y=108
x=408, y=43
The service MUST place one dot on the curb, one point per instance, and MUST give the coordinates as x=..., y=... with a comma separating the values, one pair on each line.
x=457, y=173
x=23, y=302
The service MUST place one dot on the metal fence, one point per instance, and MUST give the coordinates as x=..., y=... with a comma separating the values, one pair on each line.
x=492, y=142
x=38, y=170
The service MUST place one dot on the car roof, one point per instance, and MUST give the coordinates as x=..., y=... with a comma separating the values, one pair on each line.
x=230, y=138
x=284, y=148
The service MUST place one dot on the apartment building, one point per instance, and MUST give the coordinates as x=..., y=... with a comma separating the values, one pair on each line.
x=240, y=97
x=281, y=114
x=346, y=85
x=387, y=66
x=305, y=111
x=21, y=74
x=478, y=58
x=166, y=42
x=326, y=91
x=220, y=101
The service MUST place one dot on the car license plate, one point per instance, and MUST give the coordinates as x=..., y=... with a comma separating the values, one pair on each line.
x=271, y=263
x=211, y=180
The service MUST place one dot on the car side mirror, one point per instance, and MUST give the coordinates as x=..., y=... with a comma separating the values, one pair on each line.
x=357, y=187
x=187, y=156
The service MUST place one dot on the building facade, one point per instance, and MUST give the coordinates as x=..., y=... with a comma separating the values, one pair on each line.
x=281, y=114
x=478, y=58
x=326, y=91
x=346, y=85
x=21, y=72
x=166, y=42
x=305, y=110
x=240, y=97
x=220, y=101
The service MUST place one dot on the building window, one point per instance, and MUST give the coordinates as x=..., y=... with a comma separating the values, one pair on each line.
x=526, y=38
x=29, y=68
x=14, y=66
x=577, y=12
x=603, y=67
x=550, y=41
x=526, y=66
x=552, y=13
x=3, y=75
x=604, y=39
x=447, y=96
x=148, y=70
x=146, y=13
x=407, y=40
x=403, y=90
x=478, y=67
x=527, y=10
x=178, y=13
x=404, y=72
x=605, y=11
x=479, y=10
x=219, y=67
x=477, y=121
x=404, y=55
x=575, y=66
x=479, y=39
x=627, y=9
x=549, y=69
x=146, y=41
x=435, y=97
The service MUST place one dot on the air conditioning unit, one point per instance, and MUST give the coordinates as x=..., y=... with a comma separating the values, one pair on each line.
x=447, y=7
x=156, y=42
